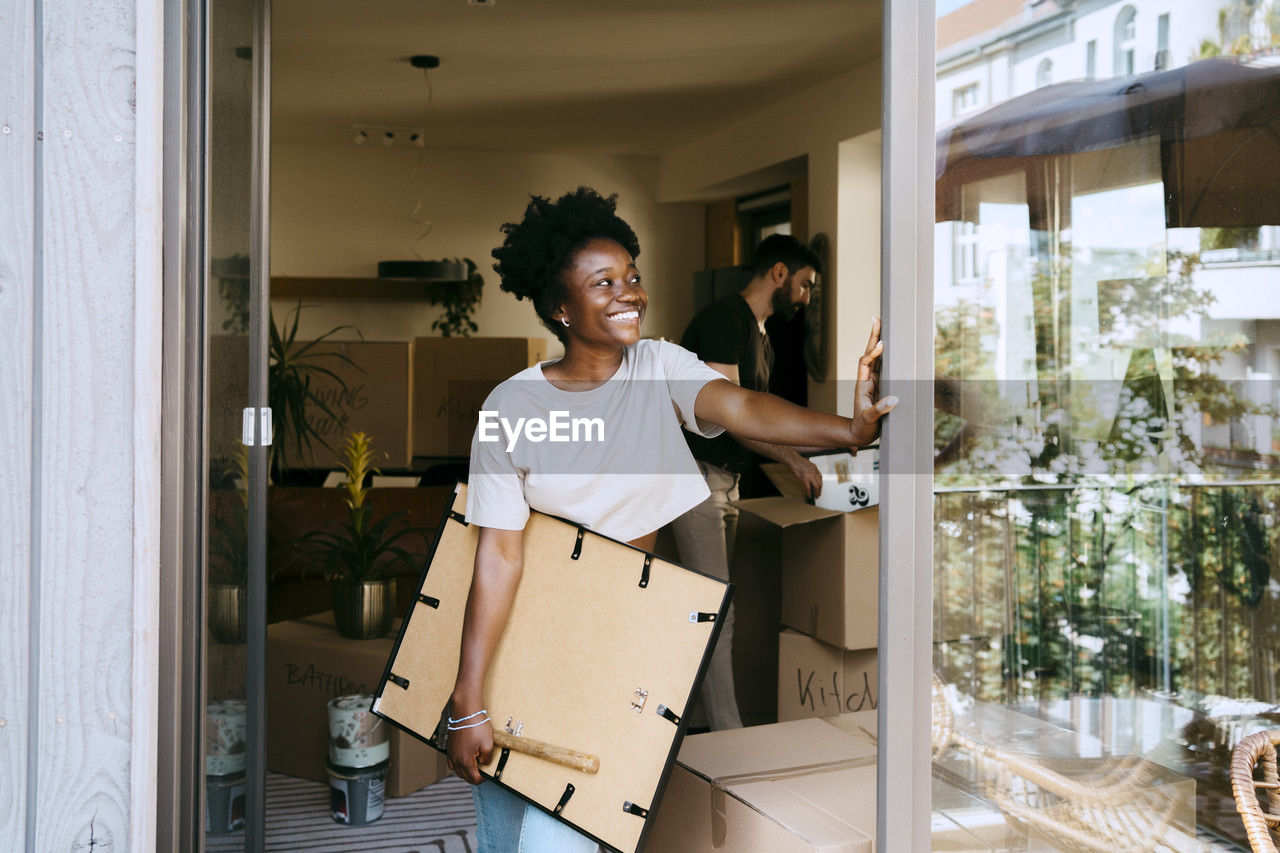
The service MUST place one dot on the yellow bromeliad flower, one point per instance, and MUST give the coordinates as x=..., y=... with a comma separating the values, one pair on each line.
x=357, y=463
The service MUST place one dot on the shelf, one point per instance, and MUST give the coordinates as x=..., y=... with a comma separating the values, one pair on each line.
x=351, y=289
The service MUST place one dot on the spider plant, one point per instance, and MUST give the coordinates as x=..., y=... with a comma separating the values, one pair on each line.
x=292, y=367
x=362, y=548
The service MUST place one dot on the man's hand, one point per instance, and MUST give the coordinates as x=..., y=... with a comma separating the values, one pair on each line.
x=867, y=412
x=808, y=474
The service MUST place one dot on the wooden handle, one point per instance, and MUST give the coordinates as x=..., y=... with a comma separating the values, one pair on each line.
x=547, y=751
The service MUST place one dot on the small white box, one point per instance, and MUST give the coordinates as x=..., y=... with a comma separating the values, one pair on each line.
x=849, y=482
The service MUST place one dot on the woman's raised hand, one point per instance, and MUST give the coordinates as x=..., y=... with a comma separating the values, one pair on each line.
x=867, y=411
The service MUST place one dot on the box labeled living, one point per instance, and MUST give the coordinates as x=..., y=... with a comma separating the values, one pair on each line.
x=309, y=663
x=830, y=569
x=373, y=396
x=451, y=379
x=817, y=680
x=804, y=786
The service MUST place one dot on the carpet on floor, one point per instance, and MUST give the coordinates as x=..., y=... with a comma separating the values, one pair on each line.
x=438, y=819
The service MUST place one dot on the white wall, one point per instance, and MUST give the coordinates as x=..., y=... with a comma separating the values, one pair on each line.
x=79, y=440
x=857, y=250
x=338, y=210
x=811, y=124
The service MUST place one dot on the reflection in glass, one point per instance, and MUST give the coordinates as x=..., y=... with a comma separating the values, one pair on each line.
x=227, y=358
x=1107, y=327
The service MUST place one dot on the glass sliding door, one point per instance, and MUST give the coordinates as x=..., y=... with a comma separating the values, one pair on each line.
x=1106, y=444
x=235, y=455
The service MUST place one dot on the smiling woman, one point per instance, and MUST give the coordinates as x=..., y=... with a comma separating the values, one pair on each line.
x=575, y=260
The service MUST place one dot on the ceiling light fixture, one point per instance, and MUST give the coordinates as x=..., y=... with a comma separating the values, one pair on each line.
x=421, y=269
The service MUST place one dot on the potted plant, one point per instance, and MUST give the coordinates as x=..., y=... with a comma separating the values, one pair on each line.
x=459, y=300
x=358, y=554
x=292, y=368
x=228, y=555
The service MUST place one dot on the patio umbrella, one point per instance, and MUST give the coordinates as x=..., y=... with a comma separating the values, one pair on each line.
x=1217, y=122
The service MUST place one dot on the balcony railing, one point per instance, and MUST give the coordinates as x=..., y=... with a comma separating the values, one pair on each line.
x=1048, y=593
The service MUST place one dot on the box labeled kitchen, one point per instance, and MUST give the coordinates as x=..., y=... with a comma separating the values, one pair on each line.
x=817, y=680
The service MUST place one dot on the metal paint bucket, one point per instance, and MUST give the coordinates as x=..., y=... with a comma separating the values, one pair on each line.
x=223, y=804
x=357, y=794
x=357, y=736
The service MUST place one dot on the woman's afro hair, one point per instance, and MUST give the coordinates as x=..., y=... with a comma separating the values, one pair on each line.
x=540, y=247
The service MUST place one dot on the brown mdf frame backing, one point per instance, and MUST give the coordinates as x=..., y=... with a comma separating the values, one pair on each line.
x=594, y=621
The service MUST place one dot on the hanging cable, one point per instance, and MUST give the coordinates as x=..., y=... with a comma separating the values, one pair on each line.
x=419, y=214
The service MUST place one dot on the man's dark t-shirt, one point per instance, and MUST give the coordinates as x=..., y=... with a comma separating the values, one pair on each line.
x=726, y=332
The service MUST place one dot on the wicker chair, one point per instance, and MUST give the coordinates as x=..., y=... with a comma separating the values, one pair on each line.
x=1117, y=805
x=1257, y=750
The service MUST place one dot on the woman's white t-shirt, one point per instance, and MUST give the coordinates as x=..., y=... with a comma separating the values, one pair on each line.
x=612, y=458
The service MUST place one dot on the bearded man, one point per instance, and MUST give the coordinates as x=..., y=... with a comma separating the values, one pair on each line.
x=729, y=336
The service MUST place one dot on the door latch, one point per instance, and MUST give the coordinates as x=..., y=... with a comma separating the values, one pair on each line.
x=262, y=435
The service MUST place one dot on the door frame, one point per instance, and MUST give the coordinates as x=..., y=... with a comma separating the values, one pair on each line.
x=180, y=776
x=906, y=573
x=904, y=773
x=180, y=730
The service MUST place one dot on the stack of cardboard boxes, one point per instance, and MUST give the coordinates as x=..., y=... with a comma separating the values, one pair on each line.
x=808, y=782
x=829, y=578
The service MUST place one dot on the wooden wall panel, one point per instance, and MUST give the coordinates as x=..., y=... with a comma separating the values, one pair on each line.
x=17, y=155
x=85, y=409
x=723, y=234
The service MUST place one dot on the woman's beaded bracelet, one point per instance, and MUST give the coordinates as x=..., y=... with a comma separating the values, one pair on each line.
x=454, y=728
x=452, y=721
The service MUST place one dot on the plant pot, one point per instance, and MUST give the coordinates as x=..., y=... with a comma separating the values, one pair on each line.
x=363, y=611
x=227, y=612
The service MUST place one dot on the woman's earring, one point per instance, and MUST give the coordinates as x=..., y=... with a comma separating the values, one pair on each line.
x=565, y=320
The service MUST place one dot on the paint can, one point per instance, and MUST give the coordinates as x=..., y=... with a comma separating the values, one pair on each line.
x=357, y=794
x=224, y=767
x=223, y=804
x=357, y=736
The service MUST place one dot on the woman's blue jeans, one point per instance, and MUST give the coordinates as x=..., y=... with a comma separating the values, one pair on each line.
x=507, y=824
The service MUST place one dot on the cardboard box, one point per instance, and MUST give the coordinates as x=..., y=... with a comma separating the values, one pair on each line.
x=817, y=598
x=376, y=401
x=309, y=663
x=795, y=787
x=818, y=680
x=756, y=586
x=452, y=377
x=830, y=569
